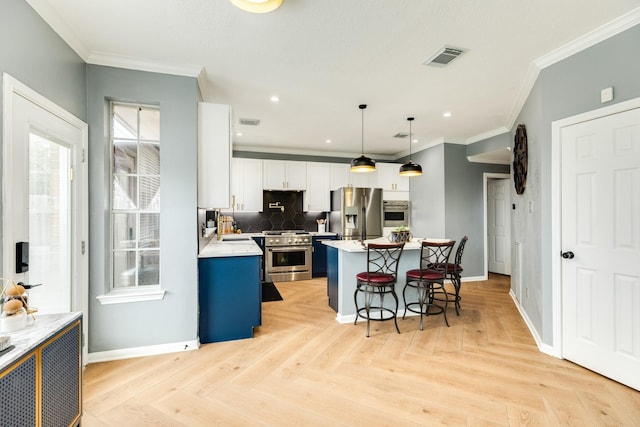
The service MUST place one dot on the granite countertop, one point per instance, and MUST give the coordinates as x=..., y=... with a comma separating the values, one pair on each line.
x=26, y=339
x=356, y=245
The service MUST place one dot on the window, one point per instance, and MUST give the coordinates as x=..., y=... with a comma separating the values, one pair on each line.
x=135, y=197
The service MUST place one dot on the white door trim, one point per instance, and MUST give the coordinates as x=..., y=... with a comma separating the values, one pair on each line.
x=11, y=89
x=556, y=213
x=485, y=179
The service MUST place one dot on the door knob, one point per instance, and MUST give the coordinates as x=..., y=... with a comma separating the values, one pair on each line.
x=568, y=255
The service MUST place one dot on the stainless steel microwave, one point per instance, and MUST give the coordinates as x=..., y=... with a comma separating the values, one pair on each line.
x=395, y=213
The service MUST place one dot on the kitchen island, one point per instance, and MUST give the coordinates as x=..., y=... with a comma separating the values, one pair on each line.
x=346, y=258
x=229, y=290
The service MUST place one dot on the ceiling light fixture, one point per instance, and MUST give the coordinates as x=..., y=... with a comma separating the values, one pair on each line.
x=410, y=168
x=257, y=6
x=446, y=115
x=275, y=99
x=363, y=163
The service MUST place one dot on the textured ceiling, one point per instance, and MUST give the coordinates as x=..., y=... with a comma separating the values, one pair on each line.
x=324, y=57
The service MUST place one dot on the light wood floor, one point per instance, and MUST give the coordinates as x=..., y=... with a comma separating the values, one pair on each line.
x=304, y=369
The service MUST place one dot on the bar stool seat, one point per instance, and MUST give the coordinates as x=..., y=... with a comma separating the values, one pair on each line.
x=379, y=280
x=428, y=281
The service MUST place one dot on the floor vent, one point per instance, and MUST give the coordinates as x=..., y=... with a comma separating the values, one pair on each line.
x=444, y=56
x=250, y=122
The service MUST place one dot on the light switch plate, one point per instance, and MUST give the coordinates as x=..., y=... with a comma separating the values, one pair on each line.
x=606, y=95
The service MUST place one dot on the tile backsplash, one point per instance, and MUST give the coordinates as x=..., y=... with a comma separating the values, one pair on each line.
x=282, y=210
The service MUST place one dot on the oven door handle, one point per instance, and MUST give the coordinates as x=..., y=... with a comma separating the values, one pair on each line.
x=288, y=248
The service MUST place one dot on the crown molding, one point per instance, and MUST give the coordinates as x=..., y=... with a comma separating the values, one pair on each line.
x=60, y=27
x=585, y=41
x=303, y=152
x=487, y=135
x=203, y=84
x=119, y=61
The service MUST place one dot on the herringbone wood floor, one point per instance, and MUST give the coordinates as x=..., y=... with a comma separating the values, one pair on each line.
x=304, y=369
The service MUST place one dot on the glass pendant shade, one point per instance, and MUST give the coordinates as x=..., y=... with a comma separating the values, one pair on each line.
x=363, y=163
x=410, y=168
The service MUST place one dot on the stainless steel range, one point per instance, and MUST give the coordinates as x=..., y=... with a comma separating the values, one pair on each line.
x=287, y=255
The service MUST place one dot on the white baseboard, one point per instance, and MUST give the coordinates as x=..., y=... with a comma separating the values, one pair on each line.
x=151, y=350
x=544, y=348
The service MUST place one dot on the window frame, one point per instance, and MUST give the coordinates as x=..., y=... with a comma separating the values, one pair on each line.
x=137, y=292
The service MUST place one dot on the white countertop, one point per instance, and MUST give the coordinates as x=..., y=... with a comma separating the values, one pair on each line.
x=241, y=244
x=26, y=339
x=356, y=245
x=231, y=248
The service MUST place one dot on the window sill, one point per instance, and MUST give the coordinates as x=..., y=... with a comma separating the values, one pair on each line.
x=121, y=296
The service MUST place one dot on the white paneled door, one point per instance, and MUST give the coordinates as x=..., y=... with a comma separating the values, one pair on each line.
x=498, y=226
x=44, y=200
x=601, y=245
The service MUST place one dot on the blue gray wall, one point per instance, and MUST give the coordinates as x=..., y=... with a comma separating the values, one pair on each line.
x=427, y=194
x=447, y=200
x=31, y=52
x=173, y=319
x=464, y=204
x=565, y=89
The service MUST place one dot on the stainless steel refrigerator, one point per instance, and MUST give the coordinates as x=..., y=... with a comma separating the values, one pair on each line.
x=356, y=213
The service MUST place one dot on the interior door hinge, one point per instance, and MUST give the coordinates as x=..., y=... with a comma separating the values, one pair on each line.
x=71, y=174
x=83, y=155
x=83, y=247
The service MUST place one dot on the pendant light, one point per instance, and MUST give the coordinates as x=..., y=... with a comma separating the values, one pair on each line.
x=410, y=168
x=363, y=163
x=257, y=6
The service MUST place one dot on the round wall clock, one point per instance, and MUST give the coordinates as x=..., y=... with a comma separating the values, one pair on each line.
x=520, y=159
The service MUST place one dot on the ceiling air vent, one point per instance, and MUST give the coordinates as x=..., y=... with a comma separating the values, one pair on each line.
x=444, y=56
x=250, y=122
x=401, y=135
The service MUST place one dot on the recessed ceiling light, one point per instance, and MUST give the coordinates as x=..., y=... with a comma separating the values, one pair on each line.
x=446, y=114
x=239, y=134
x=275, y=99
x=414, y=140
x=328, y=141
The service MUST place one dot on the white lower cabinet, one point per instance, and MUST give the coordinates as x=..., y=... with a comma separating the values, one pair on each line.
x=246, y=184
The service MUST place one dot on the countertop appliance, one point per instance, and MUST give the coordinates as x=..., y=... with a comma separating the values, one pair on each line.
x=356, y=213
x=288, y=255
x=395, y=213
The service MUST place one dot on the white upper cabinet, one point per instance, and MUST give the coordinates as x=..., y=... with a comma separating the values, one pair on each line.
x=246, y=184
x=214, y=155
x=317, y=196
x=284, y=175
x=389, y=178
x=364, y=179
x=339, y=175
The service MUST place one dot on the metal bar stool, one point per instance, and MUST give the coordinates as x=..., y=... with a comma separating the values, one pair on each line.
x=378, y=281
x=428, y=280
x=454, y=270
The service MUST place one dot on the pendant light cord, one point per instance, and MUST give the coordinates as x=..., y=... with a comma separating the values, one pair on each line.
x=410, y=119
x=362, y=107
